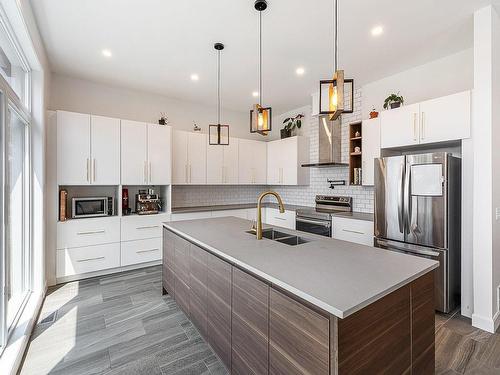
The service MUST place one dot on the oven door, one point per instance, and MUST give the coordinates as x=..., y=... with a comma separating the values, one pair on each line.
x=316, y=226
x=89, y=207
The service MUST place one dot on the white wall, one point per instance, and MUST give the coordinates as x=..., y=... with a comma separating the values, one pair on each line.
x=77, y=95
x=486, y=135
x=278, y=122
x=437, y=78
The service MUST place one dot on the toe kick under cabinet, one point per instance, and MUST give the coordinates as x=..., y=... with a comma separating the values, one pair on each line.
x=257, y=328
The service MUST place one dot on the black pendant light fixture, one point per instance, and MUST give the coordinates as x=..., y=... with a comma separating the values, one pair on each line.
x=218, y=134
x=260, y=116
x=333, y=92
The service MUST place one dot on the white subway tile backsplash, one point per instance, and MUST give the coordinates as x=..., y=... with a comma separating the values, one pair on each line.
x=363, y=196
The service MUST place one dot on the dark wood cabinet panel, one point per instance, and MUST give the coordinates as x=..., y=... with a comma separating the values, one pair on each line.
x=250, y=326
x=181, y=294
x=168, y=280
x=299, y=338
x=168, y=248
x=219, y=307
x=198, y=288
x=181, y=259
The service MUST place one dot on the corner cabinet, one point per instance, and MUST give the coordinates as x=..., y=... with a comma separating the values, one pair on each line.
x=88, y=149
x=256, y=328
x=146, y=155
x=438, y=120
x=284, y=161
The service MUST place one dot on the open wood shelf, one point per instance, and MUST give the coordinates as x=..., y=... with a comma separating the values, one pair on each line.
x=355, y=137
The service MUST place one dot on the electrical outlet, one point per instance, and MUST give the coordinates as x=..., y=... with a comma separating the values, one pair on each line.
x=497, y=213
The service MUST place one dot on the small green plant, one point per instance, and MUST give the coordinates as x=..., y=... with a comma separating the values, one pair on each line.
x=393, y=98
x=293, y=122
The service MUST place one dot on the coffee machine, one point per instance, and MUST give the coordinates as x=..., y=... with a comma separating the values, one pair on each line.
x=147, y=202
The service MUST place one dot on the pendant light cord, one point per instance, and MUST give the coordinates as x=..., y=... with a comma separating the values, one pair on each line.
x=260, y=58
x=218, y=87
x=335, y=35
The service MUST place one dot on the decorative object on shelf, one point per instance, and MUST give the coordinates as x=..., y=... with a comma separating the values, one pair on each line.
x=373, y=113
x=163, y=119
x=260, y=116
x=63, y=201
x=291, y=123
x=218, y=134
x=357, y=176
x=196, y=128
x=125, y=202
x=357, y=134
x=357, y=149
x=334, y=183
x=338, y=86
x=393, y=101
x=355, y=155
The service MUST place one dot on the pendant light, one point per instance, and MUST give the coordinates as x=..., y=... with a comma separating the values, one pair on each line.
x=332, y=92
x=218, y=134
x=260, y=116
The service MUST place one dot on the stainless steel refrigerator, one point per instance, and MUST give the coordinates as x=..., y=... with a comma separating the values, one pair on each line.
x=418, y=212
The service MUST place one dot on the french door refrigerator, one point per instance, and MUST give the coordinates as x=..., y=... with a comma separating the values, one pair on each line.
x=418, y=212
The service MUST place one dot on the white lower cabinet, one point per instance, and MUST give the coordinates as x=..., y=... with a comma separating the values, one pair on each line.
x=88, y=232
x=285, y=220
x=140, y=251
x=353, y=230
x=86, y=259
x=142, y=227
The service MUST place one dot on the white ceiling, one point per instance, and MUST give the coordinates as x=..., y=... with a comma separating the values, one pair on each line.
x=158, y=44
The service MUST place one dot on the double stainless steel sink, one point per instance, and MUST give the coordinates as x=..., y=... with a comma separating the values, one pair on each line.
x=282, y=237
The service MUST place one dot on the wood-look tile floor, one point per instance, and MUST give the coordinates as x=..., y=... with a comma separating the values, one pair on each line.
x=121, y=324
x=117, y=324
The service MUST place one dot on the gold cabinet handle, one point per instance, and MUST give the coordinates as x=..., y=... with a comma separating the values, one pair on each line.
x=88, y=172
x=150, y=173
x=146, y=251
x=148, y=227
x=145, y=171
x=93, y=169
x=422, y=127
x=90, y=232
x=415, y=127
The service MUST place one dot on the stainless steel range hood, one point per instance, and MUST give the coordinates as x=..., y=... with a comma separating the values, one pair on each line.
x=330, y=137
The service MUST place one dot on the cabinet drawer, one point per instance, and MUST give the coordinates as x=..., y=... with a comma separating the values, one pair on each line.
x=141, y=227
x=141, y=251
x=87, y=259
x=87, y=232
x=285, y=220
x=358, y=231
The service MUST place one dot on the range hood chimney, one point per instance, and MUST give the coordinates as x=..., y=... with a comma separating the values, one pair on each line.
x=330, y=137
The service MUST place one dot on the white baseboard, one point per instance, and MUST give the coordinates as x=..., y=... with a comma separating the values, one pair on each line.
x=486, y=323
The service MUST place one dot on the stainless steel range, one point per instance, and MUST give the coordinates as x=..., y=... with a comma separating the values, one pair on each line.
x=318, y=220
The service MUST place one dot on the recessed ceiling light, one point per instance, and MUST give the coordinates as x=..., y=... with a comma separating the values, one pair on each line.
x=255, y=94
x=300, y=71
x=106, y=53
x=377, y=30
x=194, y=77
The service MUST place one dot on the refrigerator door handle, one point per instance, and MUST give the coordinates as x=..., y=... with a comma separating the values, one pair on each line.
x=410, y=249
x=400, y=200
x=407, y=198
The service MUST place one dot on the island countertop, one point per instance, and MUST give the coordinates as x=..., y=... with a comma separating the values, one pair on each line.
x=338, y=277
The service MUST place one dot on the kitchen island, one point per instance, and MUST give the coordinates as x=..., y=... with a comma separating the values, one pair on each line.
x=321, y=307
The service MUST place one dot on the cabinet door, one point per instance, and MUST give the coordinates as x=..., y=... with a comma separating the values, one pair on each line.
x=215, y=164
x=73, y=148
x=250, y=324
x=274, y=163
x=289, y=161
x=134, y=153
x=197, y=157
x=198, y=288
x=219, y=307
x=298, y=338
x=446, y=118
x=230, y=171
x=179, y=157
x=252, y=161
x=105, y=150
x=370, y=148
x=159, y=154
x=400, y=127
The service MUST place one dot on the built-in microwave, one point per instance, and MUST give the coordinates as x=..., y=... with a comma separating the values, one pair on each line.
x=92, y=207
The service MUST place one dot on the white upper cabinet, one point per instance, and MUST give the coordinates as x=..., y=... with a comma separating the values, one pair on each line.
x=159, y=154
x=284, y=161
x=400, y=127
x=88, y=149
x=189, y=158
x=73, y=148
x=370, y=148
x=252, y=162
x=231, y=156
x=134, y=153
x=437, y=120
x=215, y=164
x=105, y=150
x=146, y=153
x=445, y=119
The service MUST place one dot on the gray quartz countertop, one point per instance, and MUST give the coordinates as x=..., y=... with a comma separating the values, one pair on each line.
x=224, y=207
x=355, y=215
x=337, y=276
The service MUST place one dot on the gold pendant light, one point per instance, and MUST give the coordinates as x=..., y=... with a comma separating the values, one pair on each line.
x=335, y=87
x=260, y=116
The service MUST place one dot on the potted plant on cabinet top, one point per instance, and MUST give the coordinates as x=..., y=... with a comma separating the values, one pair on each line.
x=291, y=123
x=393, y=101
